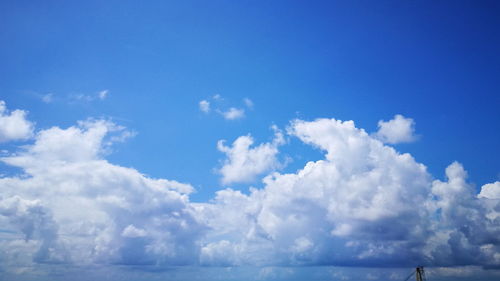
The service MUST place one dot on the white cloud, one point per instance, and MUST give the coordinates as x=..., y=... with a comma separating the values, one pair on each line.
x=397, y=130
x=77, y=143
x=220, y=253
x=82, y=97
x=14, y=125
x=133, y=232
x=490, y=198
x=491, y=191
x=47, y=98
x=204, y=106
x=248, y=102
x=233, y=113
x=463, y=234
x=35, y=222
x=244, y=163
x=103, y=94
x=73, y=205
x=364, y=204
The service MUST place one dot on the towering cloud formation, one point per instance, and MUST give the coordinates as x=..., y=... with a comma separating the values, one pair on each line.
x=364, y=204
x=74, y=206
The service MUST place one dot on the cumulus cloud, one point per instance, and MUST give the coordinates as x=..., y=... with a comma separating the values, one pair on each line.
x=132, y=232
x=74, y=206
x=204, y=106
x=244, y=163
x=397, y=130
x=35, y=222
x=233, y=113
x=355, y=207
x=464, y=234
x=77, y=143
x=14, y=125
x=491, y=191
x=363, y=204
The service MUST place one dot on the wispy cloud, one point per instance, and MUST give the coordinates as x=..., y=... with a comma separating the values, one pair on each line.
x=248, y=102
x=204, y=106
x=101, y=95
x=47, y=98
x=231, y=113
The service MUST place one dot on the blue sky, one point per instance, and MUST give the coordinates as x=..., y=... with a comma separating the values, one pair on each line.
x=108, y=99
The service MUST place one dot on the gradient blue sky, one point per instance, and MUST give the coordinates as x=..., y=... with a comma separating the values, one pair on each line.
x=436, y=62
